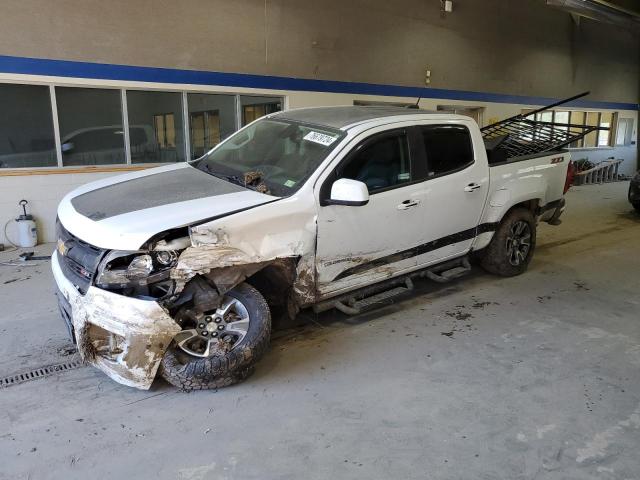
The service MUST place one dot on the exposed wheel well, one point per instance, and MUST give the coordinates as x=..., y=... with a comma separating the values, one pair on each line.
x=275, y=280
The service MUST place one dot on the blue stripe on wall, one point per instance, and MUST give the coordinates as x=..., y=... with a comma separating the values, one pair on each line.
x=105, y=71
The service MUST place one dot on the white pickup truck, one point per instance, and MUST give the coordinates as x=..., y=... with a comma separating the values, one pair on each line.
x=180, y=268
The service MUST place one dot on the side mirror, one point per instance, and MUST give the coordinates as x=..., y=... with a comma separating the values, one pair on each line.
x=349, y=192
x=67, y=147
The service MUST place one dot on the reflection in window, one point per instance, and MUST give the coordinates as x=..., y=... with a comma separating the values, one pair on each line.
x=212, y=118
x=591, y=139
x=155, y=126
x=448, y=148
x=26, y=127
x=205, y=131
x=90, y=126
x=383, y=163
x=256, y=107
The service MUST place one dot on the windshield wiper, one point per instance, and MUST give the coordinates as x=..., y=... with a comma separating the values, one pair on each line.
x=229, y=178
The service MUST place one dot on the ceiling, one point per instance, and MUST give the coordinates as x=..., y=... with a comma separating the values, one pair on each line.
x=623, y=13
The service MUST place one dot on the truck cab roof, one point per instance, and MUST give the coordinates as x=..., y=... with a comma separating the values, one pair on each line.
x=346, y=117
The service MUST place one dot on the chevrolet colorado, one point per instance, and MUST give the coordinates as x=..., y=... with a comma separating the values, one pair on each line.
x=179, y=268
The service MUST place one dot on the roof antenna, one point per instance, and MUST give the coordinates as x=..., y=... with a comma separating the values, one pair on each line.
x=415, y=106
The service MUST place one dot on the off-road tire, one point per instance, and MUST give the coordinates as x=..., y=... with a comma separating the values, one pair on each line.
x=194, y=373
x=495, y=258
x=636, y=206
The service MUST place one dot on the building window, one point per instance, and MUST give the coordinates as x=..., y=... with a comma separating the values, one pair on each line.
x=95, y=124
x=155, y=126
x=26, y=127
x=212, y=118
x=256, y=107
x=91, y=131
x=598, y=138
x=205, y=131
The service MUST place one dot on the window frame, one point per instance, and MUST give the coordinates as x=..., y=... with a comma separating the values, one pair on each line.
x=426, y=157
x=417, y=167
x=60, y=168
x=615, y=117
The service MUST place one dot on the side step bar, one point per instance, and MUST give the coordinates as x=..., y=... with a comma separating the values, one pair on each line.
x=368, y=298
x=444, y=275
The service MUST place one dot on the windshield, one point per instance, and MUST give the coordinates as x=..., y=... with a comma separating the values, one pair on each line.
x=271, y=156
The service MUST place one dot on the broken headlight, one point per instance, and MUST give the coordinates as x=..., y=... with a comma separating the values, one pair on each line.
x=128, y=269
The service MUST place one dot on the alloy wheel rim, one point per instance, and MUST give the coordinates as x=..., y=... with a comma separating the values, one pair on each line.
x=217, y=331
x=518, y=243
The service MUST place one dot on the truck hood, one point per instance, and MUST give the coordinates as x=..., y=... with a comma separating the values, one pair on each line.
x=123, y=212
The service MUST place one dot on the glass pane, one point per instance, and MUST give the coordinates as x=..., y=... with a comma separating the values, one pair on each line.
x=382, y=164
x=448, y=148
x=90, y=126
x=545, y=117
x=604, y=136
x=26, y=127
x=591, y=139
x=561, y=117
x=212, y=118
x=155, y=120
x=577, y=118
x=271, y=156
x=256, y=107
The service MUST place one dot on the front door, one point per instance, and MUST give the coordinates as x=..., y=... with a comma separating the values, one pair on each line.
x=359, y=245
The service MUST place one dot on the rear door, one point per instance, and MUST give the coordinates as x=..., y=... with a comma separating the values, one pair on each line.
x=360, y=245
x=455, y=190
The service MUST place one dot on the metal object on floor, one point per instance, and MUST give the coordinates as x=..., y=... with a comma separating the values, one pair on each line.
x=604, y=172
x=40, y=372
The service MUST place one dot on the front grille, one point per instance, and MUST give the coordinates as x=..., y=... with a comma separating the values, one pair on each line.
x=80, y=260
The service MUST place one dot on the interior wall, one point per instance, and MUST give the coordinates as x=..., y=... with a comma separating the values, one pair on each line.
x=500, y=46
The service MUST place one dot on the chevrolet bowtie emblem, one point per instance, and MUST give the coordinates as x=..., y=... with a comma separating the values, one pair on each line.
x=62, y=248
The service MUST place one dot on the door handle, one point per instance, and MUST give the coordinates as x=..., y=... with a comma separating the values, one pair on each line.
x=472, y=187
x=408, y=204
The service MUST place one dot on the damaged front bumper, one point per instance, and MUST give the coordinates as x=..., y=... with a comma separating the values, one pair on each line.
x=124, y=337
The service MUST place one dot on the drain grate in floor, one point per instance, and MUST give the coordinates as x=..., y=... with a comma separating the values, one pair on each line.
x=41, y=372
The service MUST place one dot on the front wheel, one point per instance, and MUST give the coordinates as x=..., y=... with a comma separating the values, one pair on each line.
x=512, y=246
x=220, y=347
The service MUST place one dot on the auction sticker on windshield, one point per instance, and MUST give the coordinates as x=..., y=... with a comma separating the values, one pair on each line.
x=321, y=138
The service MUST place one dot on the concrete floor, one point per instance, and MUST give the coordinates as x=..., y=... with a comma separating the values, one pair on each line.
x=487, y=378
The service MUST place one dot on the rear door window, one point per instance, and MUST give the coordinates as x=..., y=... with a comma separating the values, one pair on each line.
x=448, y=149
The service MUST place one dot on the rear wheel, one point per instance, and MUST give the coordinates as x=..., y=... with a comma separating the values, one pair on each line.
x=512, y=246
x=220, y=347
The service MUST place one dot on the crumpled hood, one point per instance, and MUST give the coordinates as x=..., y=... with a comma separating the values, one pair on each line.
x=123, y=212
